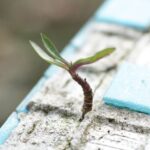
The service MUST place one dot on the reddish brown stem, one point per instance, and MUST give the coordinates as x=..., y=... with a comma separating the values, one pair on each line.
x=88, y=94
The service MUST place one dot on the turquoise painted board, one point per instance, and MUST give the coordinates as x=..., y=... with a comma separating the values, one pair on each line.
x=7, y=128
x=130, y=88
x=132, y=13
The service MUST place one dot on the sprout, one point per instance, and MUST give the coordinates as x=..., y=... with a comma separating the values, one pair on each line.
x=55, y=58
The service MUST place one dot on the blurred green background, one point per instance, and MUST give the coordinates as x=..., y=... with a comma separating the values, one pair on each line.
x=22, y=20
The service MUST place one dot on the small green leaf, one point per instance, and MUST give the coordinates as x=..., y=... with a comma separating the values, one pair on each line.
x=46, y=57
x=93, y=58
x=50, y=47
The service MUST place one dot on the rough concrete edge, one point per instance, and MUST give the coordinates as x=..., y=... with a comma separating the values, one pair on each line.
x=12, y=121
x=22, y=106
x=100, y=18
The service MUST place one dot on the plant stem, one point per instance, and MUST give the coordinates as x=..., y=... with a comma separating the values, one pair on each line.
x=87, y=91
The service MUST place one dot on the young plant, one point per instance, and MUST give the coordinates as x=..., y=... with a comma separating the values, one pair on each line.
x=71, y=67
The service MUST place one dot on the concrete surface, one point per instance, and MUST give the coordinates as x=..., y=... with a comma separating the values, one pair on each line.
x=53, y=118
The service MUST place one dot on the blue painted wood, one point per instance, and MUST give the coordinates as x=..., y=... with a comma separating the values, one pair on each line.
x=23, y=105
x=130, y=88
x=131, y=13
x=8, y=126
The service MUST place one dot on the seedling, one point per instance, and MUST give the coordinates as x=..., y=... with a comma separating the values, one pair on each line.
x=71, y=67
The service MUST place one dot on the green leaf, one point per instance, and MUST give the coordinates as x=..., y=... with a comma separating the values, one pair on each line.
x=93, y=58
x=46, y=57
x=50, y=47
